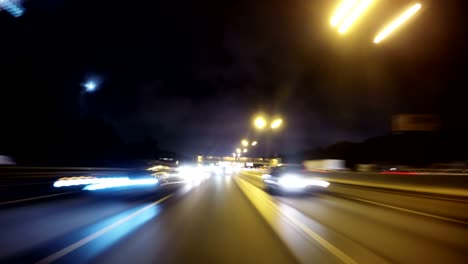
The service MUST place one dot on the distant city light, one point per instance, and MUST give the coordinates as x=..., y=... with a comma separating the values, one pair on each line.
x=245, y=150
x=254, y=143
x=397, y=22
x=12, y=6
x=238, y=150
x=245, y=143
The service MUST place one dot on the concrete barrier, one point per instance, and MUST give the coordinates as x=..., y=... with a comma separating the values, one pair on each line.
x=431, y=183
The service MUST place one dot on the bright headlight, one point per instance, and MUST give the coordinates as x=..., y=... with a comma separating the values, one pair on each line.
x=292, y=181
x=320, y=183
x=297, y=182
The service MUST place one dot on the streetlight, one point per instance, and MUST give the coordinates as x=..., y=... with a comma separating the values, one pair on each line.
x=341, y=11
x=245, y=150
x=354, y=14
x=90, y=86
x=233, y=154
x=254, y=143
x=245, y=143
x=397, y=22
x=260, y=123
x=238, y=150
x=276, y=123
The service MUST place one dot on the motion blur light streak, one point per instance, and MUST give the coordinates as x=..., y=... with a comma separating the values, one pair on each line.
x=13, y=7
x=292, y=182
x=276, y=123
x=397, y=22
x=74, y=181
x=320, y=183
x=297, y=182
x=111, y=238
x=105, y=229
x=120, y=182
x=341, y=11
x=356, y=12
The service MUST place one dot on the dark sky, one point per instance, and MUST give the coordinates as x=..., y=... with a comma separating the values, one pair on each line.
x=192, y=74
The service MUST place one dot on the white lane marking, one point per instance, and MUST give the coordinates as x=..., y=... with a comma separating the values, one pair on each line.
x=97, y=234
x=404, y=210
x=34, y=198
x=247, y=187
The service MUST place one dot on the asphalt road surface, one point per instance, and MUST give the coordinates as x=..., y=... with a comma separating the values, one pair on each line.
x=224, y=220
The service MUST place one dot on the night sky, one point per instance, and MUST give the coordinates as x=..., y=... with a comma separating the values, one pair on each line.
x=191, y=74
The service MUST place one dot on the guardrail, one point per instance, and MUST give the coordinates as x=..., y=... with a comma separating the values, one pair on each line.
x=434, y=183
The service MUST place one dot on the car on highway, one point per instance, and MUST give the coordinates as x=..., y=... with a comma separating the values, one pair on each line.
x=292, y=179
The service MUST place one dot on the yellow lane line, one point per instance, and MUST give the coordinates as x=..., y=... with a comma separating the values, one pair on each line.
x=259, y=198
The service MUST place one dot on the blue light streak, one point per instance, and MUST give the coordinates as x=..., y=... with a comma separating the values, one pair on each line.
x=120, y=182
x=12, y=7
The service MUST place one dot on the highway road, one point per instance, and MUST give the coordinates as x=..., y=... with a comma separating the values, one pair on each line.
x=230, y=219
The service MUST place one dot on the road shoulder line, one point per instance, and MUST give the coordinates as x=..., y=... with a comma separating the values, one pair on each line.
x=34, y=198
x=99, y=233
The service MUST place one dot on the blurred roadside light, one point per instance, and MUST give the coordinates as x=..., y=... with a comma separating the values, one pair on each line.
x=75, y=181
x=354, y=14
x=276, y=123
x=233, y=154
x=341, y=11
x=245, y=143
x=158, y=167
x=254, y=143
x=245, y=150
x=238, y=150
x=397, y=22
x=260, y=122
